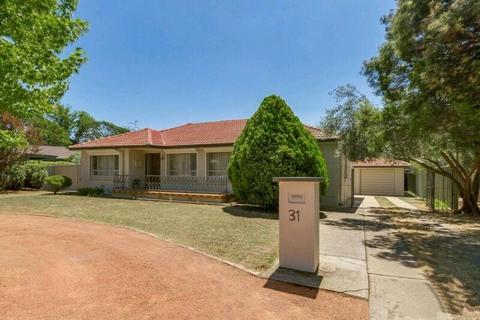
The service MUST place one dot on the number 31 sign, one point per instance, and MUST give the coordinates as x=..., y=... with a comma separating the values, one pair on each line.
x=294, y=215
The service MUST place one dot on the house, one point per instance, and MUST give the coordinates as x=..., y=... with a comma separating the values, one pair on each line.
x=192, y=158
x=49, y=153
x=380, y=177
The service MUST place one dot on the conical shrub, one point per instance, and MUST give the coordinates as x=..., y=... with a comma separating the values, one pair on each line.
x=274, y=143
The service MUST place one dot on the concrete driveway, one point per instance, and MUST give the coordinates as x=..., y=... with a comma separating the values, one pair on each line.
x=65, y=269
x=398, y=288
x=356, y=259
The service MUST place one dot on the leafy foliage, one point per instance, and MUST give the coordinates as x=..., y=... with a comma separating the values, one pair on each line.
x=91, y=192
x=34, y=69
x=13, y=178
x=30, y=174
x=428, y=71
x=57, y=183
x=357, y=122
x=274, y=143
x=63, y=127
x=35, y=174
x=13, y=143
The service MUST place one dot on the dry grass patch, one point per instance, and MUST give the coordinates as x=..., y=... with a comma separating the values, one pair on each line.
x=242, y=235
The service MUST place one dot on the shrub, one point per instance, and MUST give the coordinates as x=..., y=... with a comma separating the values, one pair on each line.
x=74, y=158
x=57, y=182
x=13, y=179
x=274, y=143
x=35, y=174
x=91, y=192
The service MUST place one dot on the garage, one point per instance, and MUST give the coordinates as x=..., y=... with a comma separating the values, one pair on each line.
x=379, y=177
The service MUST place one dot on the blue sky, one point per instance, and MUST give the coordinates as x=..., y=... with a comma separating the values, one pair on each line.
x=165, y=63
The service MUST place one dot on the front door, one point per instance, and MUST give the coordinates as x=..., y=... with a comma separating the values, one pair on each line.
x=153, y=164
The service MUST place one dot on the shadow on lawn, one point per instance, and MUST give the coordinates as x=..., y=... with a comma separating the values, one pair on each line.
x=447, y=246
x=247, y=211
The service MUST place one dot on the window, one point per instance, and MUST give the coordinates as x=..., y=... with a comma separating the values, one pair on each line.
x=217, y=163
x=104, y=165
x=184, y=164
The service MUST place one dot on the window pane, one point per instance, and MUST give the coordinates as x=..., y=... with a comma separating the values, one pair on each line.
x=217, y=163
x=182, y=164
x=104, y=165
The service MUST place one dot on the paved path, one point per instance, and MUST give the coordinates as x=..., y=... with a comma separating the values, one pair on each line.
x=343, y=266
x=398, y=288
x=401, y=204
x=65, y=269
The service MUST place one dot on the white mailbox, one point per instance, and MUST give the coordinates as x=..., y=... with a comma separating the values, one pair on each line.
x=299, y=209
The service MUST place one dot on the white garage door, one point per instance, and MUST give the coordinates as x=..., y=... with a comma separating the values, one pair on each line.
x=377, y=181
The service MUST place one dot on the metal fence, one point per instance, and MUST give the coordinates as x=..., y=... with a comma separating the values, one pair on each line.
x=441, y=194
x=210, y=184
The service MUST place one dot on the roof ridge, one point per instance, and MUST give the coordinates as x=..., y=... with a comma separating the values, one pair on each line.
x=204, y=122
x=311, y=126
x=105, y=138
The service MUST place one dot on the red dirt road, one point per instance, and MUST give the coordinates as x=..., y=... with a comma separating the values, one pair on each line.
x=65, y=269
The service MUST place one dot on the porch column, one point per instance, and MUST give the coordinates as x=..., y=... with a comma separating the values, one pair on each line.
x=126, y=161
x=201, y=162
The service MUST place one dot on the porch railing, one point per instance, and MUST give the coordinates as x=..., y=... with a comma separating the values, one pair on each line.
x=216, y=184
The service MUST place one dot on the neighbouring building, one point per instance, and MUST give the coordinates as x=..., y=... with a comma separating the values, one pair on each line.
x=380, y=177
x=49, y=153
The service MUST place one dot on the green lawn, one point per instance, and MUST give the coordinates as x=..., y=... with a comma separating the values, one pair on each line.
x=384, y=202
x=417, y=202
x=242, y=235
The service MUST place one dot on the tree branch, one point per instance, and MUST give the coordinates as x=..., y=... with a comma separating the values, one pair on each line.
x=440, y=171
x=455, y=164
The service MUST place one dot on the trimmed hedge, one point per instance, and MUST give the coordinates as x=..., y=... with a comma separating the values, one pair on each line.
x=91, y=192
x=57, y=183
x=30, y=174
x=274, y=143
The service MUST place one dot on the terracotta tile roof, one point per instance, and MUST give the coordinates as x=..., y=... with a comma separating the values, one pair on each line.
x=381, y=162
x=191, y=134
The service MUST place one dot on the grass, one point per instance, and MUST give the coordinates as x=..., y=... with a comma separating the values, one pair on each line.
x=419, y=203
x=384, y=202
x=242, y=235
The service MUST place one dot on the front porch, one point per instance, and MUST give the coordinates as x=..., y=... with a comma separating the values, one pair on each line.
x=184, y=188
x=192, y=174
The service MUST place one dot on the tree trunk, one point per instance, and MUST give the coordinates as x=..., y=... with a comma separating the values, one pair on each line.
x=466, y=181
x=470, y=198
x=469, y=204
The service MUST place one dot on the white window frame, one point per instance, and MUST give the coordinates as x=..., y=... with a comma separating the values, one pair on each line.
x=105, y=172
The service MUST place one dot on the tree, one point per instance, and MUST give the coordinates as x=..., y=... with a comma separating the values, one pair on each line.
x=357, y=122
x=274, y=143
x=13, y=144
x=63, y=127
x=34, y=69
x=52, y=133
x=428, y=72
